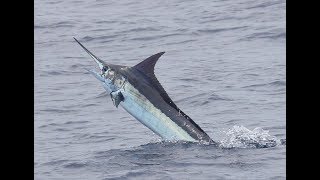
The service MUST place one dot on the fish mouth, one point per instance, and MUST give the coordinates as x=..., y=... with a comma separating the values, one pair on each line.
x=96, y=74
x=103, y=68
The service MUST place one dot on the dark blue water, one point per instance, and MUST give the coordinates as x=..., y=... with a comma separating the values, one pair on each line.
x=224, y=66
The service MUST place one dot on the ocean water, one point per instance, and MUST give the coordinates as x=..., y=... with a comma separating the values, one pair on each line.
x=224, y=66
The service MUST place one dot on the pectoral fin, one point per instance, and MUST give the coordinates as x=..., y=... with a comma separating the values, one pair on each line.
x=116, y=97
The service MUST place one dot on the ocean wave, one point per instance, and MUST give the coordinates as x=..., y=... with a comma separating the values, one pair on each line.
x=180, y=42
x=57, y=125
x=148, y=38
x=75, y=165
x=55, y=162
x=203, y=98
x=266, y=4
x=140, y=29
x=220, y=29
x=48, y=73
x=100, y=38
x=271, y=84
x=61, y=24
x=102, y=95
x=56, y=110
x=266, y=35
x=216, y=19
x=236, y=137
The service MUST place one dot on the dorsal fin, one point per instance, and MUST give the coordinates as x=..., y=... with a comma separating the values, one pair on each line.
x=147, y=68
x=147, y=65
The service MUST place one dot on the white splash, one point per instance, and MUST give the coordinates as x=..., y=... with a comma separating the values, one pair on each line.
x=241, y=137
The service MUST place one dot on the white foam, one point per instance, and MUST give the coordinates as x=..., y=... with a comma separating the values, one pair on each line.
x=241, y=137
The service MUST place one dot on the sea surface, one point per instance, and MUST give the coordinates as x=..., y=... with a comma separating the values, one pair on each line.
x=224, y=66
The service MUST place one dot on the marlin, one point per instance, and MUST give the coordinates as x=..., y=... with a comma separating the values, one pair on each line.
x=140, y=93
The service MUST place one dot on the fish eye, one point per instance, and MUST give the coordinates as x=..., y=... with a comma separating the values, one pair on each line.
x=104, y=69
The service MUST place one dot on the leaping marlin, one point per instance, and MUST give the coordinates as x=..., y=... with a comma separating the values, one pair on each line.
x=139, y=92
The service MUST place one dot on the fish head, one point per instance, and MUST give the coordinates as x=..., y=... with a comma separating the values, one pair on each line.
x=111, y=79
x=108, y=74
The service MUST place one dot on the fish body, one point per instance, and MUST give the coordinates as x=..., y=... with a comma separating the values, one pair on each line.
x=139, y=92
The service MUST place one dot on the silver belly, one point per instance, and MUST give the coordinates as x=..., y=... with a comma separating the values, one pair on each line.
x=143, y=110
